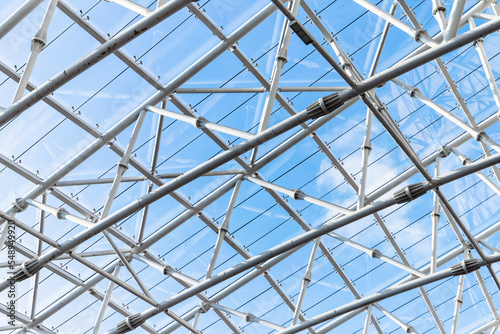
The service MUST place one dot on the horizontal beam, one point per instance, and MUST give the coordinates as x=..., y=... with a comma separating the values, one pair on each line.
x=225, y=90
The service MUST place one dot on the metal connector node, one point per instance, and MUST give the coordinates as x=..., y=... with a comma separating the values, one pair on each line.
x=130, y=323
x=26, y=270
x=409, y=193
x=324, y=106
x=465, y=267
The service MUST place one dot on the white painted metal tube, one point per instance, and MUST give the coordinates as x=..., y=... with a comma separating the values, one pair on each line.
x=380, y=296
x=458, y=305
x=156, y=98
x=200, y=122
x=107, y=297
x=297, y=194
x=376, y=254
x=418, y=60
x=93, y=58
x=123, y=165
x=227, y=90
x=135, y=7
x=435, y=220
x=414, y=33
x=60, y=213
x=308, y=236
x=84, y=182
x=37, y=44
x=339, y=321
x=39, y=247
x=439, y=13
x=366, y=326
x=305, y=282
x=223, y=230
x=454, y=20
x=71, y=296
x=18, y=16
x=150, y=240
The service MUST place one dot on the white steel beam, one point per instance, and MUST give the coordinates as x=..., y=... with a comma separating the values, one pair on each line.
x=18, y=16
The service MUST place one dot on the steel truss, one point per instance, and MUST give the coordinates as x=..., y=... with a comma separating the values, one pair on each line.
x=460, y=28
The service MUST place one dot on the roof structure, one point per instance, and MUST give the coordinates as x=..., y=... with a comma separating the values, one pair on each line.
x=263, y=166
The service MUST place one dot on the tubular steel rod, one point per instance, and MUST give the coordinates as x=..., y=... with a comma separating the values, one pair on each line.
x=305, y=282
x=105, y=302
x=223, y=230
x=226, y=90
x=278, y=64
x=435, y=220
x=174, y=184
x=18, y=16
x=141, y=178
x=308, y=236
x=381, y=296
x=93, y=58
x=154, y=161
x=156, y=98
x=200, y=122
x=37, y=44
x=36, y=279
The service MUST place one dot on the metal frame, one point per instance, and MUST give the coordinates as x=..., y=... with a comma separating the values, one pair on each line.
x=354, y=87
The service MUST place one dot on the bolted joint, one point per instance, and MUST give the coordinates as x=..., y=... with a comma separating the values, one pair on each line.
x=478, y=41
x=282, y=58
x=167, y=269
x=324, y=106
x=61, y=213
x=444, y=151
x=418, y=34
x=20, y=204
x=130, y=323
x=249, y=317
x=199, y=122
x=26, y=270
x=409, y=193
x=414, y=91
x=122, y=165
x=366, y=147
x=435, y=10
x=480, y=135
x=465, y=267
x=435, y=214
x=204, y=307
x=346, y=66
x=459, y=300
x=38, y=41
x=298, y=194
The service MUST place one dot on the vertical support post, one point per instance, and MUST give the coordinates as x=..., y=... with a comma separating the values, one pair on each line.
x=123, y=165
x=435, y=219
x=223, y=230
x=279, y=62
x=154, y=161
x=458, y=300
x=454, y=20
x=36, y=278
x=367, y=320
x=105, y=301
x=439, y=13
x=195, y=320
x=305, y=281
x=37, y=44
